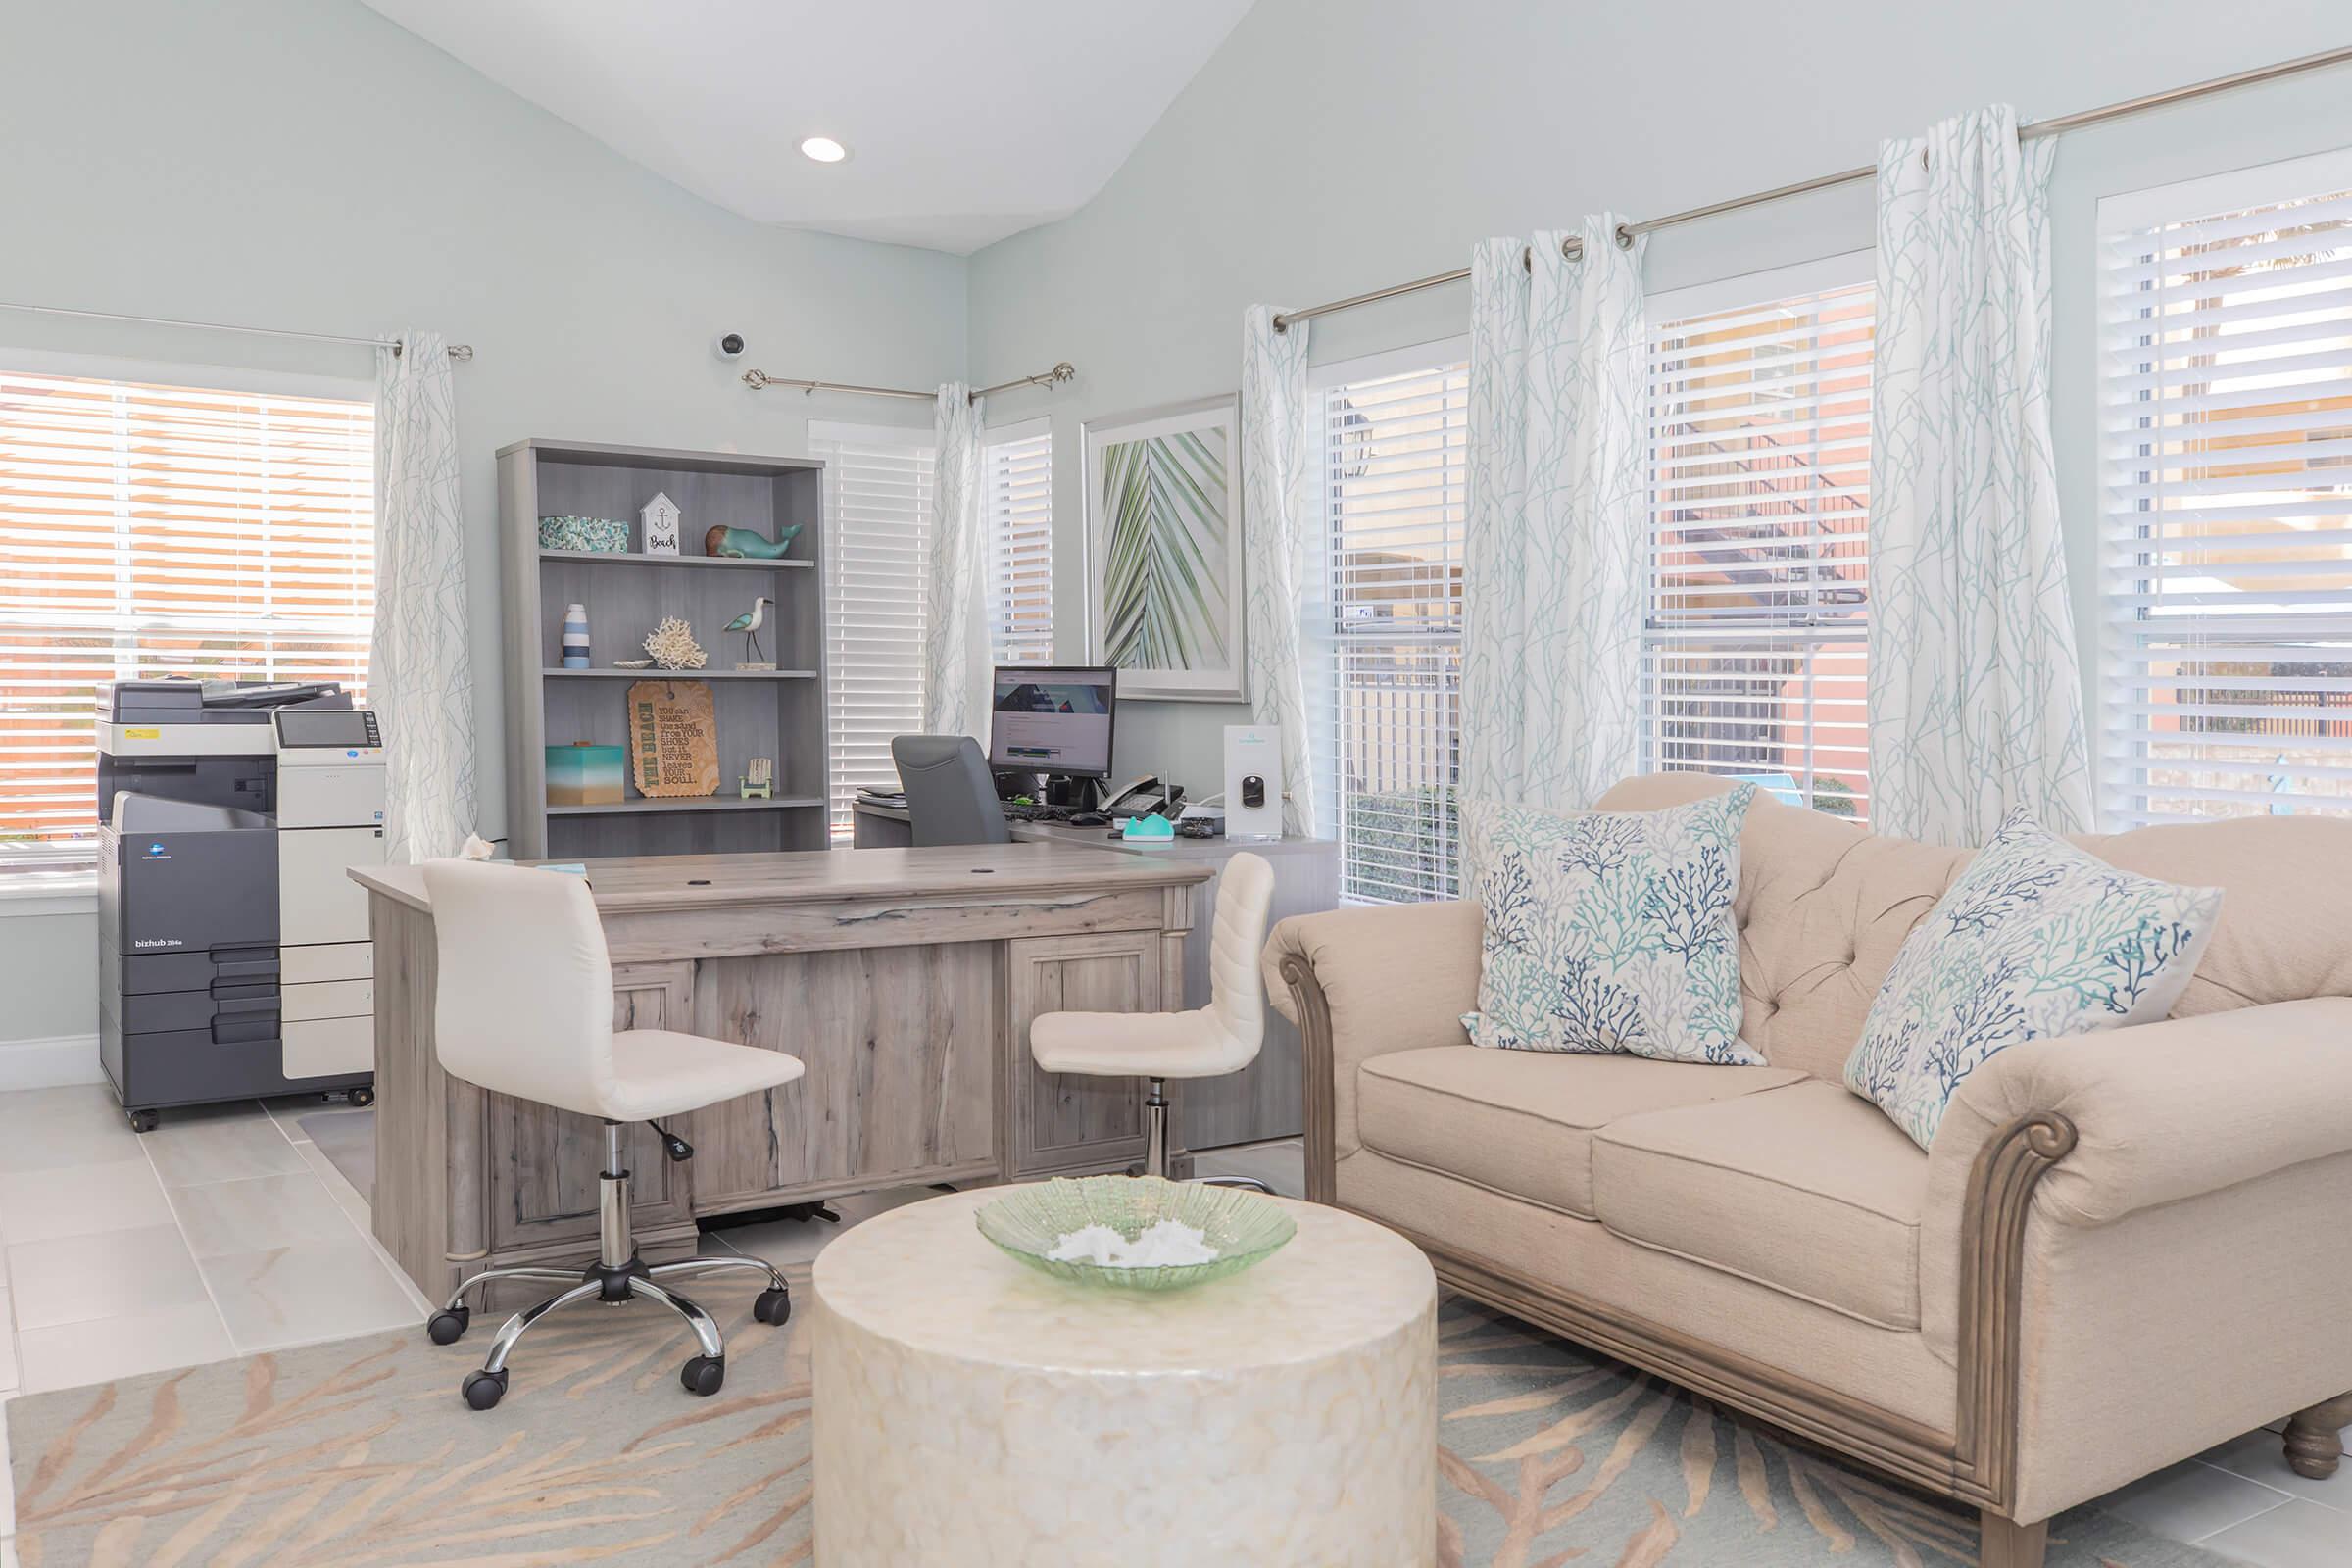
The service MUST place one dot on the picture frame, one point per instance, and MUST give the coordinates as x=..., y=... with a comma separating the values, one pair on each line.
x=1165, y=572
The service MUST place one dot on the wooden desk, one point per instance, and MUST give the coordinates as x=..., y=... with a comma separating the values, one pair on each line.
x=1266, y=1099
x=905, y=979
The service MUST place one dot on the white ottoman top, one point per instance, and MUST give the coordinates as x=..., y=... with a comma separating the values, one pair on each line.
x=924, y=1277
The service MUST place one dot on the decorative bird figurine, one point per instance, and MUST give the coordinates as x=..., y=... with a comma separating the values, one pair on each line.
x=749, y=624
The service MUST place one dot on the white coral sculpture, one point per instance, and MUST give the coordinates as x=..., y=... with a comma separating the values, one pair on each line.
x=673, y=646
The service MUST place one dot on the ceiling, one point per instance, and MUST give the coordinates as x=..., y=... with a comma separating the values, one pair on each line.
x=965, y=122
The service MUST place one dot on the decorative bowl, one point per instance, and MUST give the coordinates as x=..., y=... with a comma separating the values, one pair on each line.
x=603, y=536
x=1028, y=1222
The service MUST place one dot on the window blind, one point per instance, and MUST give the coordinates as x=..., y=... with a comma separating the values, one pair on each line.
x=877, y=532
x=2227, y=406
x=1755, y=639
x=150, y=530
x=1021, y=546
x=1396, y=491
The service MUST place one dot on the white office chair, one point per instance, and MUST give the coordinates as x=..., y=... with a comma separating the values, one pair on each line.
x=525, y=1009
x=1209, y=1042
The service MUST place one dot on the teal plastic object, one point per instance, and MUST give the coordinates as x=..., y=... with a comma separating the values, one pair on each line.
x=746, y=545
x=1147, y=829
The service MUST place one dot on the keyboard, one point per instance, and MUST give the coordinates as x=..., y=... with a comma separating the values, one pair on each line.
x=1015, y=812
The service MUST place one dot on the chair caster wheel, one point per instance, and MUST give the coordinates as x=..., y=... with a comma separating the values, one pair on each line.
x=704, y=1374
x=775, y=1308
x=363, y=1098
x=143, y=1121
x=448, y=1327
x=483, y=1390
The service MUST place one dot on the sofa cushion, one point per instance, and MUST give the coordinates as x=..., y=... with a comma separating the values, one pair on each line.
x=1522, y=1122
x=1610, y=931
x=2037, y=940
x=1804, y=1189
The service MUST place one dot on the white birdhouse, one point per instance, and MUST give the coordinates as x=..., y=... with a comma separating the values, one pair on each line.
x=661, y=516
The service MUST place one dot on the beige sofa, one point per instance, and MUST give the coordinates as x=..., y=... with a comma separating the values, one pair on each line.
x=2123, y=1249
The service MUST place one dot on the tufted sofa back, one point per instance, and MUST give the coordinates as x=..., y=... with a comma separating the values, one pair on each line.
x=1824, y=906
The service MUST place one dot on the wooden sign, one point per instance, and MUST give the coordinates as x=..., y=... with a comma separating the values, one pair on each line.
x=660, y=516
x=673, y=739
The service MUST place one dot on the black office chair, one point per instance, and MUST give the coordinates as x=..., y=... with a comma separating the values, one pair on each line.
x=950, y=796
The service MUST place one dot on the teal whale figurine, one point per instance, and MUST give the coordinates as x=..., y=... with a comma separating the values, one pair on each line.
x=746, y=545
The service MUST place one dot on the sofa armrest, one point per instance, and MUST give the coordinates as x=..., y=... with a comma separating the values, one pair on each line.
x=2165, y=1110
x=2127, y=1119
x=1362, y=982
x=2098, y=1205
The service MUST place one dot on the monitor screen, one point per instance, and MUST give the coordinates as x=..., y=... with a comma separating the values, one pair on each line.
x=1051, y=719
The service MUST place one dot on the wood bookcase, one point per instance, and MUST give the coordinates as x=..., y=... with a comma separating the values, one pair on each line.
x=778, y=713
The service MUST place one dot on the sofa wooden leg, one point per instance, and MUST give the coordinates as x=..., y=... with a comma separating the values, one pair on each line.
x=2006, y=1544
x=2315, y=1438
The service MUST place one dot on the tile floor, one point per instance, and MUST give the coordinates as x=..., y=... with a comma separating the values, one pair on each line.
x=226, y=1232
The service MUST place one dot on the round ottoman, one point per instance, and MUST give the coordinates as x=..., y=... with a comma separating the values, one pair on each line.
x=972, y=1410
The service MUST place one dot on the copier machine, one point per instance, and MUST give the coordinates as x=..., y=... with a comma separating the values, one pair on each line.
x=234, y=958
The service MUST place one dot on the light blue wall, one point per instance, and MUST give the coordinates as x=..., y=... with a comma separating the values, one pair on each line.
x=1327, y=150
x=305, y=163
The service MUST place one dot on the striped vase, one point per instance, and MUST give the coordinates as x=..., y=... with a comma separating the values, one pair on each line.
x=575, y=637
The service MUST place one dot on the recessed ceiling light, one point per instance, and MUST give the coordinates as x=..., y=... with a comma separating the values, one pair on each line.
x=824, y=149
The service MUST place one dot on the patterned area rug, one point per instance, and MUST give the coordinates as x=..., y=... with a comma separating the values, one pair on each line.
x=359, y=1454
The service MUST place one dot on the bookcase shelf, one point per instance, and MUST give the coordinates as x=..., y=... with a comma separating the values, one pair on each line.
x=680, y=674
x=707, y=802
x=775, y=714
x=638, y=558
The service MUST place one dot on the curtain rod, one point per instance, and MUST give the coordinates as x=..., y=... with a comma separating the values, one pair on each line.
x=457, y=351
x=760, y=380
x=1574, y=248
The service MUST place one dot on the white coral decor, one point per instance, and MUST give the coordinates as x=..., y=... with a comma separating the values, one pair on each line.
x=673, y=646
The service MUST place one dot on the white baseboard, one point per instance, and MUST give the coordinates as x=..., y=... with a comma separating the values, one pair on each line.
x=50, y=1063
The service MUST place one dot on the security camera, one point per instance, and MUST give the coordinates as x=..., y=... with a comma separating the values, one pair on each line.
x=730, y=345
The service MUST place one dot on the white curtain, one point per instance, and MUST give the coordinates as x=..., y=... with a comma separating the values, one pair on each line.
x=1281, y=547
x=1975, y=702
x=419, y=661
x=1553, y=581
x=955, y=585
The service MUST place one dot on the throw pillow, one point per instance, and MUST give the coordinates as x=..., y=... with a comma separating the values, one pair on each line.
x=2036, y=939
x=1610, y=931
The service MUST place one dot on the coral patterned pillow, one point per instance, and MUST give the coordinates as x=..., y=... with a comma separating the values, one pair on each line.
x=1610, y=931
x=2035, y=940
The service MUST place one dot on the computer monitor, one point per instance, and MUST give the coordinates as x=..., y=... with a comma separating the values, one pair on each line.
x=1053, y=718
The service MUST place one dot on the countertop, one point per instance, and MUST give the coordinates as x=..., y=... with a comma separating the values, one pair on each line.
x=810, y=877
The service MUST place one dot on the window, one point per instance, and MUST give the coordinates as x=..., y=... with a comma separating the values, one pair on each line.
x=1020, y=475
x=1755, y=641
x=2226, y=404
x=150, y=530
x=877, y=533
x=1392, y=434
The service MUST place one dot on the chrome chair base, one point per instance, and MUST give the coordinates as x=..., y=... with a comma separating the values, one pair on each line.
x=617, y=1276
x=1156, y=1145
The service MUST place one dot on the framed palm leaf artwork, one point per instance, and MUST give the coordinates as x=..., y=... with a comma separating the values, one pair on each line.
x=1165, y=542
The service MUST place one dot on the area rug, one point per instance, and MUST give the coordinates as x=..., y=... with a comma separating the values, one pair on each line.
x=359, y=1454
x=347, y=1137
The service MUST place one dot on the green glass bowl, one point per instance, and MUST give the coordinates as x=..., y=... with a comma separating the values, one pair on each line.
x=1030, y=1221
